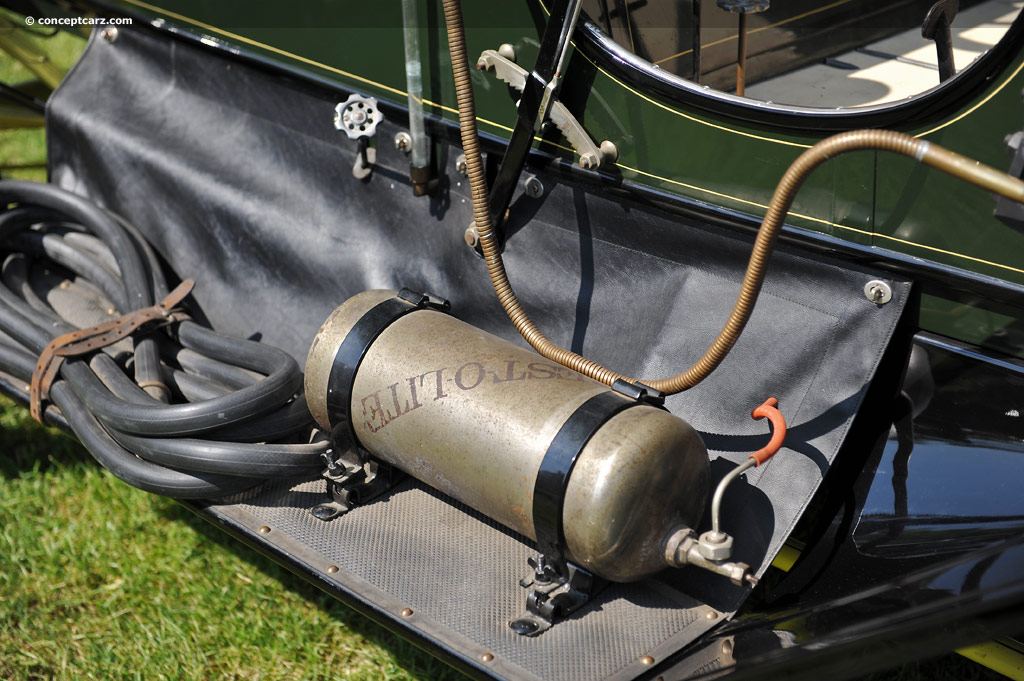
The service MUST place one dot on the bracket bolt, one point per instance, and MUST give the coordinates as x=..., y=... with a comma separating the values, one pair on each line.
x=109, y=34
x=534, y=187
x=461, y=166
x=590, y=161
x=403, y=142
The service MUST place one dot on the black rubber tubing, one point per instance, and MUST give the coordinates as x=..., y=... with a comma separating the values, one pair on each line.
x=130, y=468
x=205, y=448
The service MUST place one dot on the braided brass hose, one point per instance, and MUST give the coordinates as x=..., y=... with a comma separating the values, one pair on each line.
x=883, y=140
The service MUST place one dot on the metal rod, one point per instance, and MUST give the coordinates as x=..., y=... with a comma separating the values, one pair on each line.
x=696, y=42
x=716, y=500
x=944, y=48
x=741, y=56
x=414, y=84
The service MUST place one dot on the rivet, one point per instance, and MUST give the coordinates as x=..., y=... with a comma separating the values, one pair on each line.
x=406, y=612
x=264, y=529
x=109, y=34
x=331, y=569
x=486, y=657
x=712, y=615
x=647, y=660
x=727, y=647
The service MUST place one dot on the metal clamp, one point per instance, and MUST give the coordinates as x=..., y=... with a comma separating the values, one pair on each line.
x=592, y=155
x=558, y=586
x=552, y=598
x=352, y=350
x=424, y=300
x=639, y=392
x=353, y=478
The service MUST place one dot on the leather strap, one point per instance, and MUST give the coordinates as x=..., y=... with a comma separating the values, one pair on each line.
x=85, y=341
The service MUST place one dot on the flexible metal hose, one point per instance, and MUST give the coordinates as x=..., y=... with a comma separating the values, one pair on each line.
x=882, y=140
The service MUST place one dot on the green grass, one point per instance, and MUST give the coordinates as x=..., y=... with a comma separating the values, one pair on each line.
x=99, y=580
x=28, y=147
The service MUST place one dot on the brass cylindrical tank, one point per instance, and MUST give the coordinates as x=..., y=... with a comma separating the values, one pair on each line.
x=473, y=416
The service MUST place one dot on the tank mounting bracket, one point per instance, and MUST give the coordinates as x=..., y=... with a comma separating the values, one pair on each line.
x=353, y=478
x=552, y=596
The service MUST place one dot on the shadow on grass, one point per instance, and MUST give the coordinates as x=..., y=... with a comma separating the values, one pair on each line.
x=28, y=447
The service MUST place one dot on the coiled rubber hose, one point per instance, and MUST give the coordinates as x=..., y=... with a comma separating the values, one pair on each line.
x=237, y=415
x=883, y=140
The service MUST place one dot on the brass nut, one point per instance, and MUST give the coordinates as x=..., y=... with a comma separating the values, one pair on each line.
x=715, y=546
x=590, y=161
x=471, y=236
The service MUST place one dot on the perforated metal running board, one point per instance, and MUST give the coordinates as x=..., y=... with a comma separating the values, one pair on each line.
x=415, y=560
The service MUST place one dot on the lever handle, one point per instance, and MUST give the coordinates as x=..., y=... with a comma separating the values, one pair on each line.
x=770, y=411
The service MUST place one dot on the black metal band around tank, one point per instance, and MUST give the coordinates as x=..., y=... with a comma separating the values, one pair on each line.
x=560, y=458
x=346, y=362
